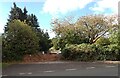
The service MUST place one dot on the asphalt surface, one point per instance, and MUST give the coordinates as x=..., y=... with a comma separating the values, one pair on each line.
x=62, y=69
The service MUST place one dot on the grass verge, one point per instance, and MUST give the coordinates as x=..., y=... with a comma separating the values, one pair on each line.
x=4, y=65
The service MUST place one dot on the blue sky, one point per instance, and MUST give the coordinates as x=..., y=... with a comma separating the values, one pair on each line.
x=46, y=10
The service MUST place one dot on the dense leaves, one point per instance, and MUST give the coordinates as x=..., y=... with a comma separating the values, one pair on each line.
x=44, y=41
x=103, y=41
x=90, y=52
x=18, y=41
x=32, y=21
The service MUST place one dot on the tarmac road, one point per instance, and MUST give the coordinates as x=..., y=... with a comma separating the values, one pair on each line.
x=62, y=69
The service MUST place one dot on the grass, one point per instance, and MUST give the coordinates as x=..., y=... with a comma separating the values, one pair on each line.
x=4, y=65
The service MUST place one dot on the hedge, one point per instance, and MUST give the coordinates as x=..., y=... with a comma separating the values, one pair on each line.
x=90, y=52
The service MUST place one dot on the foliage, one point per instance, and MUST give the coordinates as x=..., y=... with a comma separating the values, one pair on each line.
x=113, y=52
x=95, y=26
x=19, y=14
x=16, y=13
x=90, y=52
x=87, y=38
x=119, y=37
x=82, y=39
x=44, y=41
x=19, y=40
x=103, y=41
x=90, y=27
x=31, y=20
x=82, y=52
x=55, y=42
x=67, y=33
x=114, y=37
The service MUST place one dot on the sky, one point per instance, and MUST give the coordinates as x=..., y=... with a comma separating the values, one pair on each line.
x=46, y=10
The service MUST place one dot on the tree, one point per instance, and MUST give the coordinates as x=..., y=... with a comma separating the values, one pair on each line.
x=18, y=41
x=87, y=29
x=67, y=30
x=16, y=13
x=32, y=21
x=44, y=41
x=95, y=26
x=24, y=14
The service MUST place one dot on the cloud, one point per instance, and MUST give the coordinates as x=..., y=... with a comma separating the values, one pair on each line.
x=51, y=34
x=101, y=6
x=64, y=6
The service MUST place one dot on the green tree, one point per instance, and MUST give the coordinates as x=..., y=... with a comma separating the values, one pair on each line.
x=18, y=41
x=67, y=33
x=44, y=41
x=32, y=21
x=24, y=14
x=16, y=13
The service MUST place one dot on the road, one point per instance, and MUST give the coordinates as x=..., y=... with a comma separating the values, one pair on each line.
x=62, y=69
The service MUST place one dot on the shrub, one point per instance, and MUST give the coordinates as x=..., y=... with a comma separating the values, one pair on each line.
x=102, y=41
x=82, y=52
x=113, y=50
x=91, y=52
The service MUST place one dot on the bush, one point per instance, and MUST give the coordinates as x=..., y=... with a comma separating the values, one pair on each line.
x=18, y=41
x=82, y=52
x=103, y=41
x=113, y=52
x=91, y=52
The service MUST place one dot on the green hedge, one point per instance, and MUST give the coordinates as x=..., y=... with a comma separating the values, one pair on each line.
x=90, y=52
